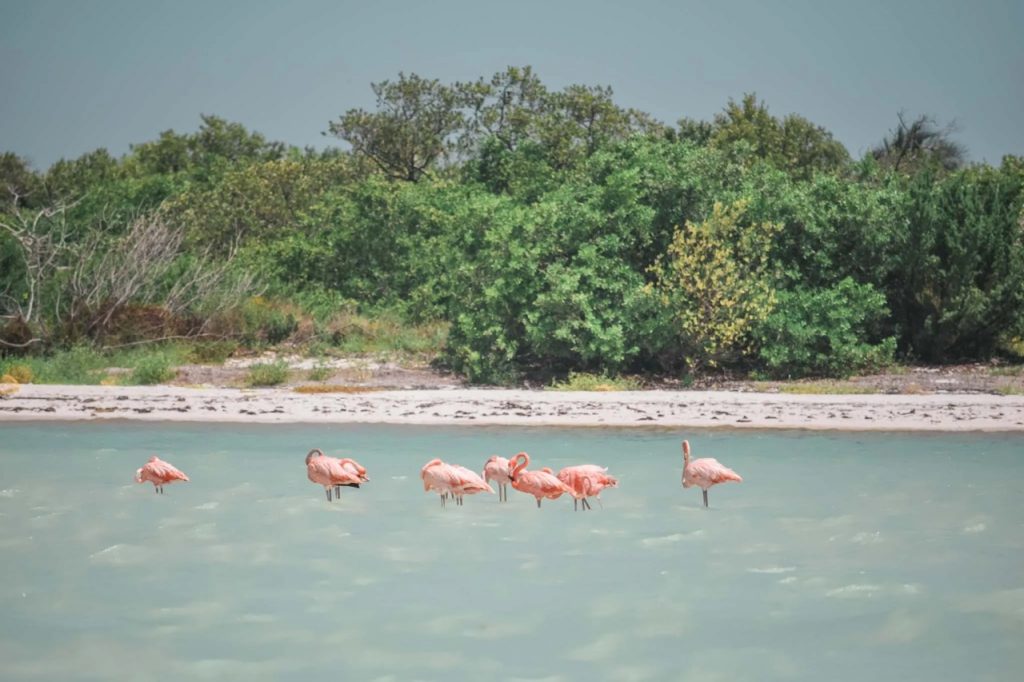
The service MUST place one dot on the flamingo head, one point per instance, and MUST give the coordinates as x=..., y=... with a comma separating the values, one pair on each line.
x=517, y=464
x=317, y=452
x=432, y=463
x=138, y=475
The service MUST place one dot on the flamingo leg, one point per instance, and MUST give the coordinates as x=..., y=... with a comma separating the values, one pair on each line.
x=585, y=503
x=328, y=491
x=538, y=503
x=705, y=498
x=337, y=491
x=575, y=503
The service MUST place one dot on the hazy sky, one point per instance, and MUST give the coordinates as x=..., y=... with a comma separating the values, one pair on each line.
x=77, y=75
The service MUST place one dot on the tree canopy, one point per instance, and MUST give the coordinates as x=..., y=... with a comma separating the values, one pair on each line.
x=549, y=230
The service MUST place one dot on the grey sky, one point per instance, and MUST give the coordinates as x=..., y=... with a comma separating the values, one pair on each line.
x=75, y=76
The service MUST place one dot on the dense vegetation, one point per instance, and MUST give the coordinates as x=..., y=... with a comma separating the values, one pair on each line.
x=550, y=232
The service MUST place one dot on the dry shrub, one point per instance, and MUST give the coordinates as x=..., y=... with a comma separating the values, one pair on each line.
x=138, y=322
x=16, y=336
x=305, y=330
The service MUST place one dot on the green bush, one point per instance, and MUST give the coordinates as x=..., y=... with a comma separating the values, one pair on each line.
x=957, y=279
x=267, y=374
x=825, y=332
x=152, y=369
x=212, y=352
x=77, y=365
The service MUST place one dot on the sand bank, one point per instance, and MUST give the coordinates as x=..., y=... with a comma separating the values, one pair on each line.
x=694, y=409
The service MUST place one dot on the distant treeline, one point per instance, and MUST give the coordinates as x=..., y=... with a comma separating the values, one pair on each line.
x=553, y=231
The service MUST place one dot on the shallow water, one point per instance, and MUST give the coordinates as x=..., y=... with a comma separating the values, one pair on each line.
x=840, y=557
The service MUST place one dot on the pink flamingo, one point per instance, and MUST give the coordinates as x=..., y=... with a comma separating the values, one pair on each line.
x=540, y=484
x=328, y=472
x=159, y=472
x=467, y=482
x=496, y=469
x=353, y=467
x=437, y=476
x=452, y=479
x=705, y=472
x=586, y=480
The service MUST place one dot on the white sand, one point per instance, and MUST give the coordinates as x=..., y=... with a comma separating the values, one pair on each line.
x=936, y=412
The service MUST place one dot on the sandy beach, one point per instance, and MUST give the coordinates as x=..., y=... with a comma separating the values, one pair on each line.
x=695, y=409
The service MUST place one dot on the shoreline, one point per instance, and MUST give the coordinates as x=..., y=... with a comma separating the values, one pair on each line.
x=520, y=407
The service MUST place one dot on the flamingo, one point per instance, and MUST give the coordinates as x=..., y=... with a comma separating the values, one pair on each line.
x=705, y=472
x=353, y=467
x=437, y=476
x=496, y=469
x=159, y=472
x=329, y=472
x=467, y=482
x=452, y=479
x=540, y=484
x=586, y=480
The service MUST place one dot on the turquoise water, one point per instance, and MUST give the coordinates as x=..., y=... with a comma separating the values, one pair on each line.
x=840, y=557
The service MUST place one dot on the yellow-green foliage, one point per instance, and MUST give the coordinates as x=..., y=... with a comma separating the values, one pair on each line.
x=585, y=381
x=716, y=283
x=20, y=373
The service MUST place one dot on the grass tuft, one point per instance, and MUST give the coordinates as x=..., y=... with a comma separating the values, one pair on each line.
x=827, y=388
x=320, y=373
x=335, y=388
x=267, y=374
x=351, y=332
x=584, y=381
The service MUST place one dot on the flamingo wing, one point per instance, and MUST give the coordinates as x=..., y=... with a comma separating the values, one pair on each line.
x=340, y=474
x=467, y=481
x=158, y=470
x=708, y=471
x=545, y=484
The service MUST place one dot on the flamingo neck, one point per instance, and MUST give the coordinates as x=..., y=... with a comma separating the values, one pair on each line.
x=686, y=453
x=521, y=461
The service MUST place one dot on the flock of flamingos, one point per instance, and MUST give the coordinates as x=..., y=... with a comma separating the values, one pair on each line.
x=455, y=481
